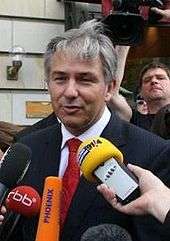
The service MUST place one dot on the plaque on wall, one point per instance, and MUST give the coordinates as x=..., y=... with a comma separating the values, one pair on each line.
x=30, y=107
x=38, y=109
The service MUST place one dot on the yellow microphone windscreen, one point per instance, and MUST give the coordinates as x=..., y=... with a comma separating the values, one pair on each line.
x=94, y=152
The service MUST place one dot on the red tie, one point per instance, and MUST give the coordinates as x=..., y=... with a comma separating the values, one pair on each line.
x=71, y=177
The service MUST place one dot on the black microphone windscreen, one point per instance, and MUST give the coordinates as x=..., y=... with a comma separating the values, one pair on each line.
x=14, y=164
x=106, y=232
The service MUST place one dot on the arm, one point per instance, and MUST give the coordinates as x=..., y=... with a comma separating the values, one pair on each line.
x=165, y=13
x=154, y=199
x=118, y=102
x=120, y=105
x=122, y=53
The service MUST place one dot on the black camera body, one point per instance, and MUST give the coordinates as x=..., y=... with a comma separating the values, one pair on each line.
x=125, y=26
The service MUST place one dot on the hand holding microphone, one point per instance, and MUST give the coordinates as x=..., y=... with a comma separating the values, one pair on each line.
x=24, y=200
x=100, y=160
x=154, y=199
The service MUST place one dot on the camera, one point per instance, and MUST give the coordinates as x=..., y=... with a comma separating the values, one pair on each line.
x=125, y=26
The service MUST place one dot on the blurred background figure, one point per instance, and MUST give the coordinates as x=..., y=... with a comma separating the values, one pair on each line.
x=161, y=123
x=1, y=154
x=141, y=105
x=7, y=134
x=106, y=232
x=154, y=87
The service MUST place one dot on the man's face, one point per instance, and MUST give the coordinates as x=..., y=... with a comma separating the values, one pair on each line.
x=78, y=91
x=155, y=85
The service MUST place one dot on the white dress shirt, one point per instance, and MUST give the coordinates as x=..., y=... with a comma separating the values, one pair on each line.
x=93, y=131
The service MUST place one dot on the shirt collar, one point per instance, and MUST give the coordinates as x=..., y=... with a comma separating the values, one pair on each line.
x=94, y=130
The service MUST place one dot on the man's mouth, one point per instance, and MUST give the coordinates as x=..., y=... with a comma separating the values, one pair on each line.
x=156, y=89
x=71, y=108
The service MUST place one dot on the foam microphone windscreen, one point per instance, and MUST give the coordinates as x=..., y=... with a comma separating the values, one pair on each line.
x=101, y=161
x=14, y=164
x=94, y=152
x=103, y=232
x=24, y=200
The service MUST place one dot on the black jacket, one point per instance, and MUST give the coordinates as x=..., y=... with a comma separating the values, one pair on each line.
x=42, y=124
x=88, y=208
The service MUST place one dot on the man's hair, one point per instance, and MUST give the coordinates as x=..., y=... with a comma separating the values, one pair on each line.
x=153, y=65
x=87, y=42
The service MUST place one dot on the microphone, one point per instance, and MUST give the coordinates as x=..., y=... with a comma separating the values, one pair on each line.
x=24, y=200
x=106, y=232
x=49, y=220
x=100, y=160
x=13, y=167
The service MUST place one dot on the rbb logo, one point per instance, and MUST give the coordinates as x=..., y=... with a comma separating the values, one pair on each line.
x=24, y=200
x=19, y=197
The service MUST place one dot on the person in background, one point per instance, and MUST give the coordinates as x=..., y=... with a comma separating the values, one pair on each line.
x=81, y=78
x=8, y=132
x=154, y=87
x=161, y=122
x=154, y=199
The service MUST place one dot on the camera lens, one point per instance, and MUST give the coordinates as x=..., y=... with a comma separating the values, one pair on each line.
x=124, y=28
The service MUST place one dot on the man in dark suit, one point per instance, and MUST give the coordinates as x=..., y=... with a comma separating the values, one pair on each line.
x=80, y=72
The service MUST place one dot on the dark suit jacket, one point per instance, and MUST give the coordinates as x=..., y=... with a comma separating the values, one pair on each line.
x=166, y=227
x=42, y=124
x=88, y=208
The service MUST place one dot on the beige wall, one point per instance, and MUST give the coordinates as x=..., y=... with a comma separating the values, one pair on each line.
x=30, y=24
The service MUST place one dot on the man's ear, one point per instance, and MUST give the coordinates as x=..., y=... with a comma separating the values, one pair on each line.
x=46, y=86
x=110, y=90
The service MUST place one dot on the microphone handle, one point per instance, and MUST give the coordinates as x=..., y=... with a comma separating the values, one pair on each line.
x=49, y=219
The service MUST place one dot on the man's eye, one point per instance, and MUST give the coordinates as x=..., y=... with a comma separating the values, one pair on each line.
x=59, y=79
x=147, y=80
x=161, y=77
x=86, y=80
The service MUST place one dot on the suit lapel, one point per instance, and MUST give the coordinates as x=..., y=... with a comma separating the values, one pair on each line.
x=113, y=131
x=53, y=151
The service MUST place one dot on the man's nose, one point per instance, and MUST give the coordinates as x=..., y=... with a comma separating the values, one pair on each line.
x=154, y=80
x=71, y=90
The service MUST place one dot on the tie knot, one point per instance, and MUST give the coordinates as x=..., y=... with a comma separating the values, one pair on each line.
x=73, y=144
